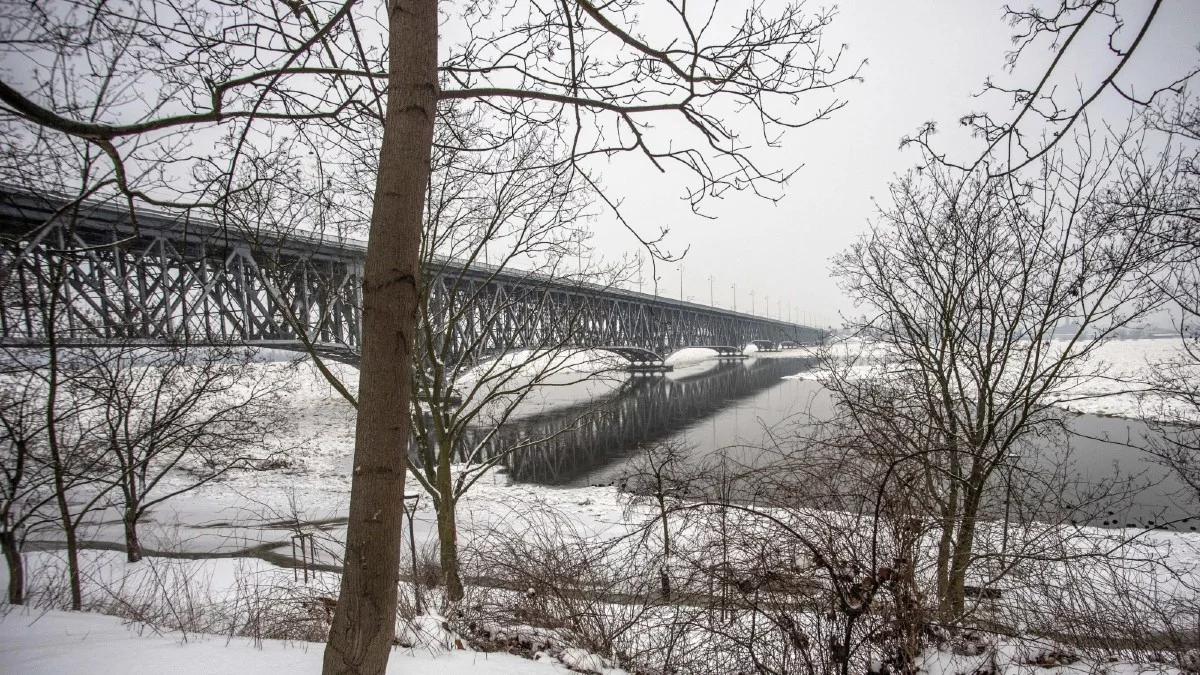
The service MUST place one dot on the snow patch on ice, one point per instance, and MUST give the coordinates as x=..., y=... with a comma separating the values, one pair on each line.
x=690, y=355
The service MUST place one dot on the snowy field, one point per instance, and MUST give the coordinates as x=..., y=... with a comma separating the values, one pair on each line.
x=252, y=516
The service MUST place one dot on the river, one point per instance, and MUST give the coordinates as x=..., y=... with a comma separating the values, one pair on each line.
x=592, y=432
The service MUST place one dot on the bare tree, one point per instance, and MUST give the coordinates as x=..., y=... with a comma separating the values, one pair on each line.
x=172, y=420
x=26, y=490
x=659, y=474
x=1175, y=407
x=487, y=337
x=71, y=453
x=965, y=281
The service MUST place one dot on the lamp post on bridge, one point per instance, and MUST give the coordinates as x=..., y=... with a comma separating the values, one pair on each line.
x=734, y=287
x=751, y=300
x=680, y=281
x=711, y=298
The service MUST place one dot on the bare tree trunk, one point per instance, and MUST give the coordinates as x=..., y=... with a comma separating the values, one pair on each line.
x=133, y=546
x=961, y=560
x=364, y=624
x=59, y=468
x=16, y=567
x=447, y=522
x=68, y=526
x=448, y=549
x=945, y=547
x=663, y=573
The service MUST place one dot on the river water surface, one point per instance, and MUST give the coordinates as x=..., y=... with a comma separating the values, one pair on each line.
x=594, y=431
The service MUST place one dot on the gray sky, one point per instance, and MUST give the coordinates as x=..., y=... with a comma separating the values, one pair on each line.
x=925, y=60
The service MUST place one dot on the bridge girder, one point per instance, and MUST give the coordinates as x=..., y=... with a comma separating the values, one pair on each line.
x=95, y=273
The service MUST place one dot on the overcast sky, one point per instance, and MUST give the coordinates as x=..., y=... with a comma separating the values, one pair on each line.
x=925, y=60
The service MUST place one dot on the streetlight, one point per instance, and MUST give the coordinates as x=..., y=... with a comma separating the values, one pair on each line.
x=734, y=287
x=711, y=298
x=681, y=281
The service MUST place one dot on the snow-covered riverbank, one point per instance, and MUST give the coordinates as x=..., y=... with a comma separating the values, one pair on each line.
x=250, y=509
x=252, y=516
x=1118, y=382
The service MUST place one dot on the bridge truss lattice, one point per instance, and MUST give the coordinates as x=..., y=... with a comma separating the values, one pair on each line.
x=94, y=273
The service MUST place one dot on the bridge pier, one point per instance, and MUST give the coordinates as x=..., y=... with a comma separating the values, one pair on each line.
x=765, y=345
x=641, y=361
x=649, y=368
x=728, y=352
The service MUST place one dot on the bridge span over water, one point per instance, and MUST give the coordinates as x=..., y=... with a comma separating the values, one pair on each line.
x=95, y=274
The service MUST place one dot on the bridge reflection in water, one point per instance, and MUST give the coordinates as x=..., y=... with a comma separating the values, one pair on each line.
x=602, y=433
x=569, y=443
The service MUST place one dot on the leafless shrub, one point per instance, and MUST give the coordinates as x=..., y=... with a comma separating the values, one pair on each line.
x=557, y=586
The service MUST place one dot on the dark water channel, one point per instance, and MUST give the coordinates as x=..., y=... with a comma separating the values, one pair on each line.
x=590, y=437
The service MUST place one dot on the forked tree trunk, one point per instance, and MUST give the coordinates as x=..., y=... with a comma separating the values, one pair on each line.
x=944, y=552
x=364, y=623
x=16, y=567
x=960, y=562
x=949, y=524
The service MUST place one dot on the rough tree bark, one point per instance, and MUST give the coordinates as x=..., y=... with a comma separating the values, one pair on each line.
x=364, y=624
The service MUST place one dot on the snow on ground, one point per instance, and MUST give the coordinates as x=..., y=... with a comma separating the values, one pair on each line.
x=1030, y=657
x=33, y=643
x=538, y=364
x=1117, y=383
x=262, y=510
x=74, y=642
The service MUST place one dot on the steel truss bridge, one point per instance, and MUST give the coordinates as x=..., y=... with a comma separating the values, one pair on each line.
x=95, y=274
